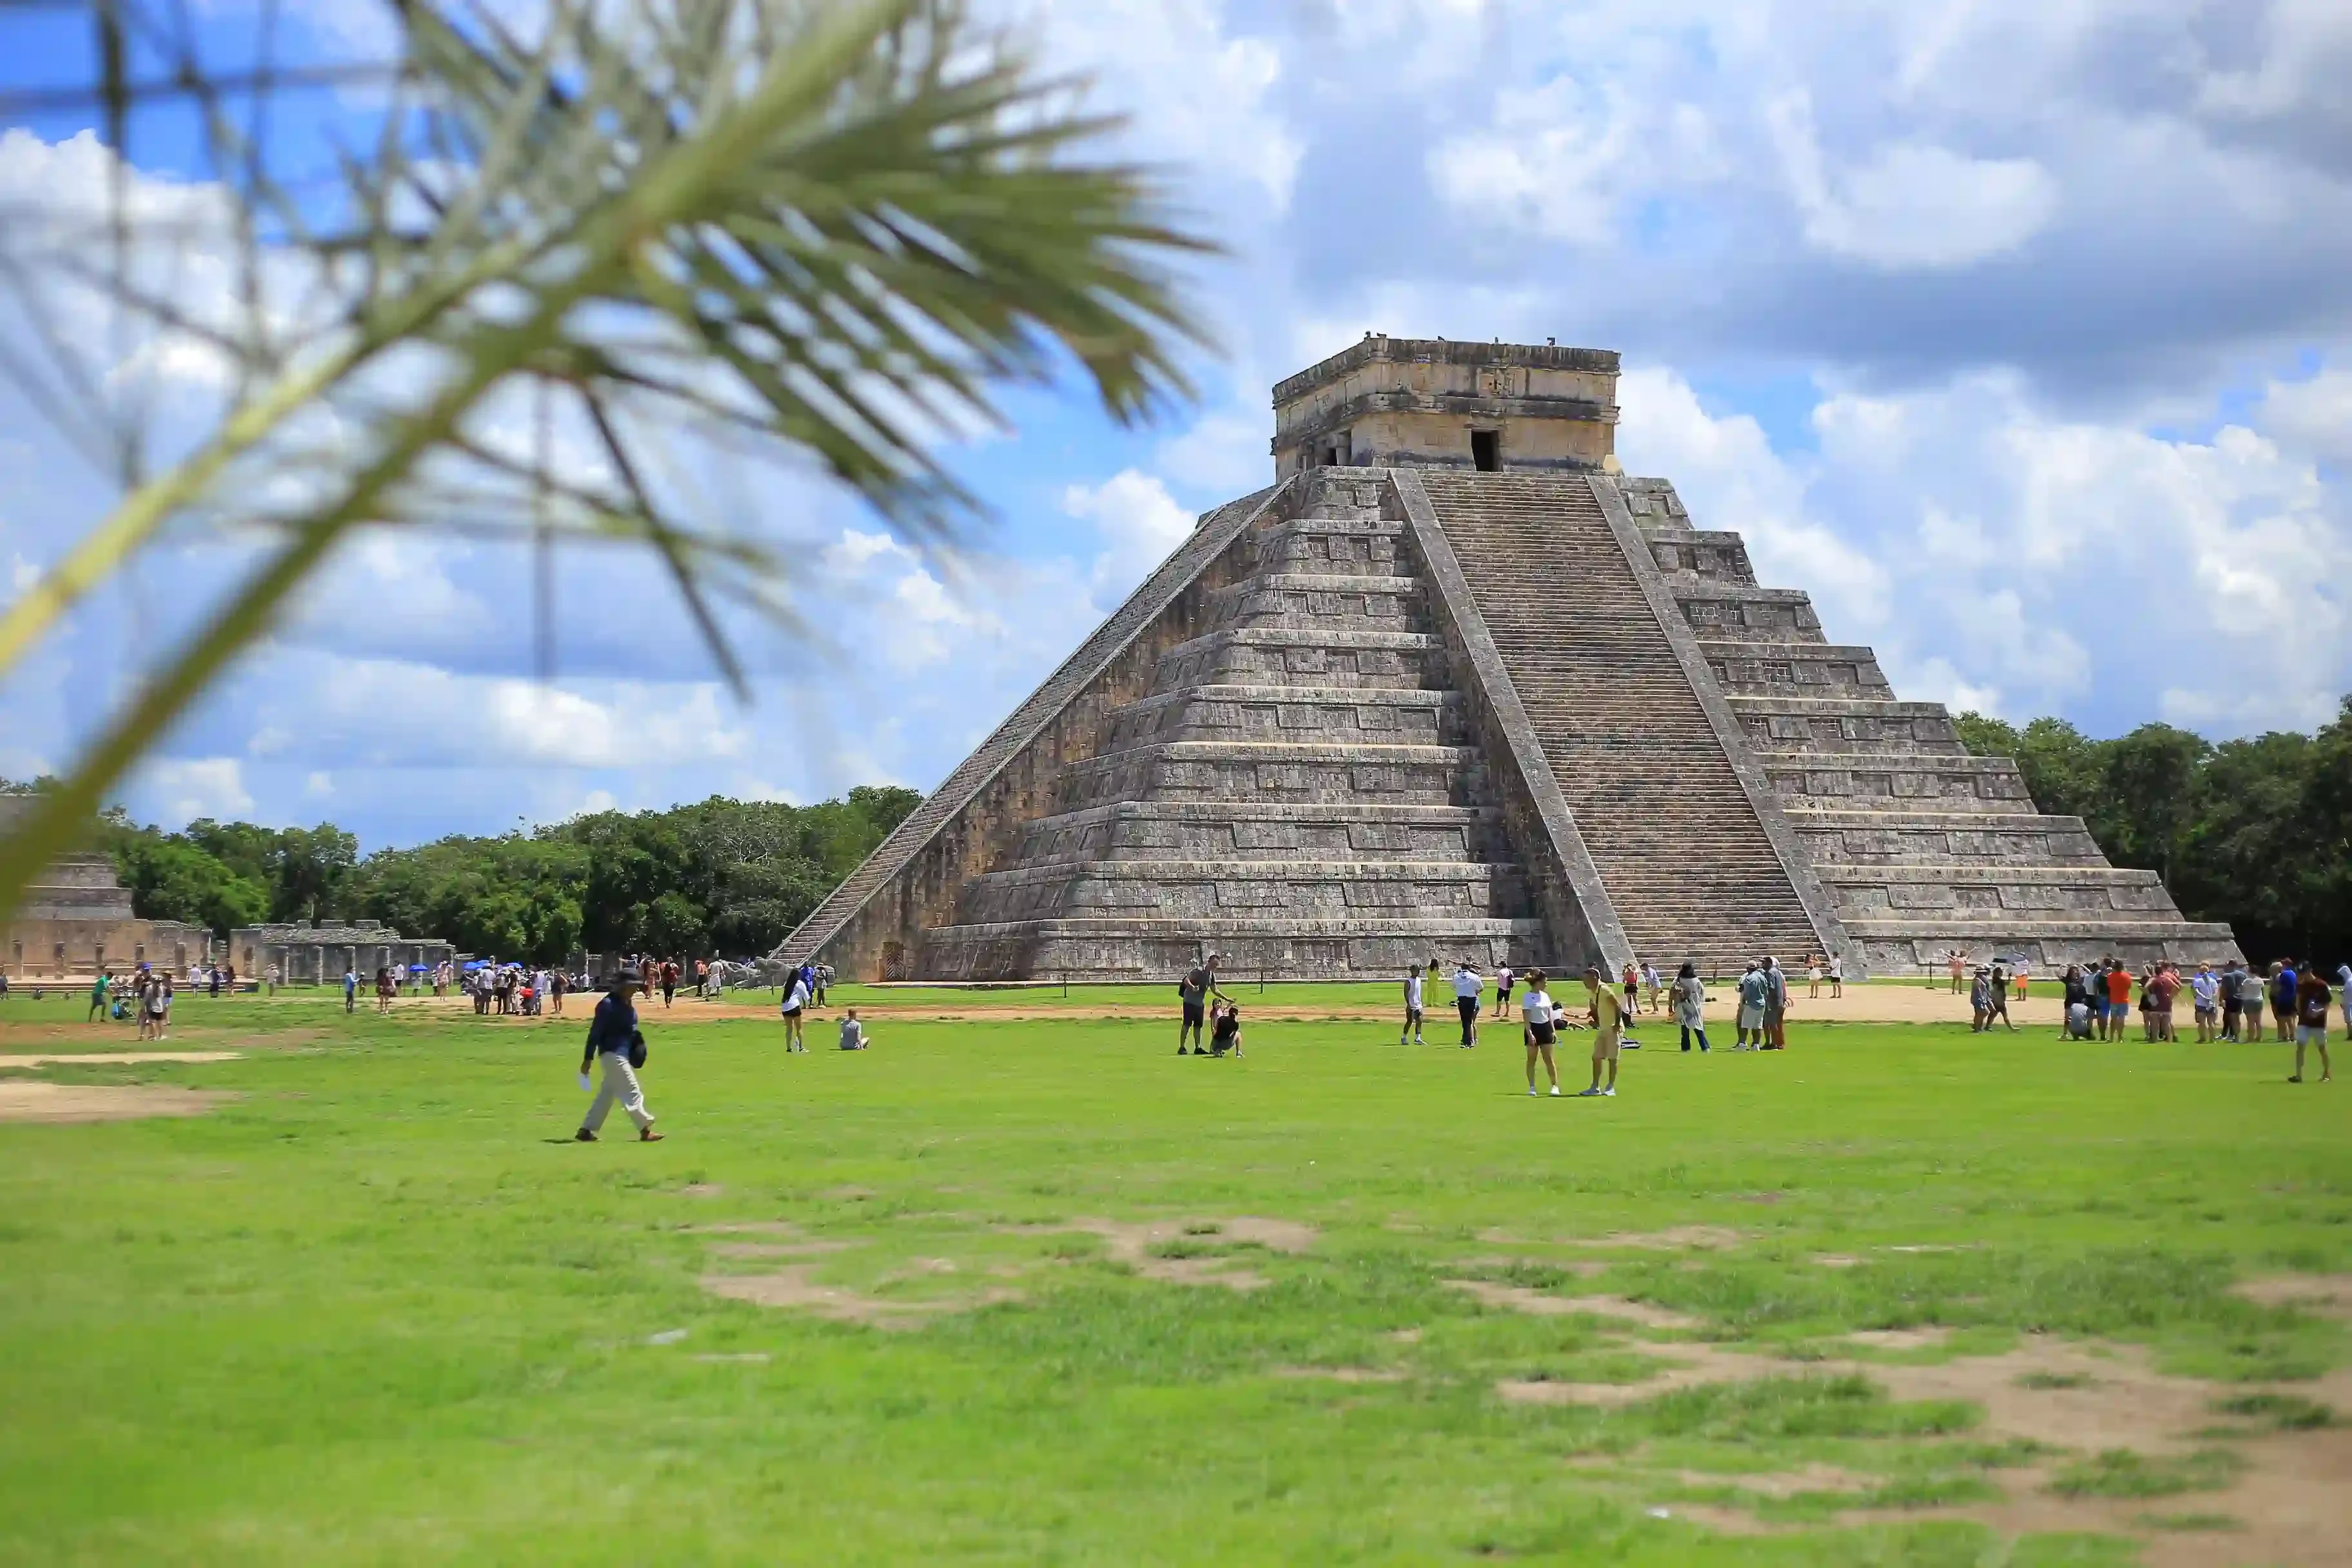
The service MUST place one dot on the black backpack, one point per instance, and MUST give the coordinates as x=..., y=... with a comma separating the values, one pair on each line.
x=637, y=1048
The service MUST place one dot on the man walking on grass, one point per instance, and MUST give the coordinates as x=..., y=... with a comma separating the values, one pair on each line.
x=611, y=1035
x=1411, y=1035
x=2311, y=997
x=1607, y=1016
x=1468, y=985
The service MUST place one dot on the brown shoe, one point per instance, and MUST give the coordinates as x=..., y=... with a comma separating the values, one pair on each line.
x=649, y=1136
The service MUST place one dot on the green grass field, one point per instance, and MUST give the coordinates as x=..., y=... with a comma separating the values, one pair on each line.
x=379, y=1308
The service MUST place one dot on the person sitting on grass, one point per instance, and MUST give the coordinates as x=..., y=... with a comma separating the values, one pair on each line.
x=1225, y=1030
x=852, y=1032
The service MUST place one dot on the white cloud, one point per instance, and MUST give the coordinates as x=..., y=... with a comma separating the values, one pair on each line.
x=2313, y=416
x=2004, y=558
x=1200, y=94
x=185, y=788
x=1140, y=522
x=1222, y=454
x=319, y=783
x=1910, y=204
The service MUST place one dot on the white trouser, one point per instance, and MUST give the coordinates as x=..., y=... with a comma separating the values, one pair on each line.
x=620, y=1084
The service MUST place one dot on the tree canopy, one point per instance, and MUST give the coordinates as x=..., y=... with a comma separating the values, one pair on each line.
x=721, y=877
x=2256, y=832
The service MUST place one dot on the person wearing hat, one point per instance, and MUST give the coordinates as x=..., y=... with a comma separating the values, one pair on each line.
x=610, y=1034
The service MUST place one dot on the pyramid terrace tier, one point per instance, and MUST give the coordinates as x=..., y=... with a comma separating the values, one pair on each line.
x=1842, y=835
x=1793, y=669
x=1741, y=612
x=1910, y=781
x=1284, y=656
x=1353, y=546
x=1215, y=770
x=1142, y=948
x=1343, y=715
x=1209, y=890
x=1791, y=726
x=1688, y=556
x=1260, y=830
x=1893, y=947
x=1315, y=601
x=1984, y=892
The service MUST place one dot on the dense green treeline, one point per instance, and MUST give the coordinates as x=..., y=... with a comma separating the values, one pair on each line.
x=2255, y=832
x=720, y=877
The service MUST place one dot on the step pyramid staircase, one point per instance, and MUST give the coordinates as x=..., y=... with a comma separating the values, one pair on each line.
x=1924, y=849
x=1291, y=785
x=1377, y=715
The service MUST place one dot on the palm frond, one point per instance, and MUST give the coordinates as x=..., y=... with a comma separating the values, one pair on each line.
x=829, y=229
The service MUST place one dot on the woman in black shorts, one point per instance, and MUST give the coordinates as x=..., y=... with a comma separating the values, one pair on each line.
x=1535, y=1009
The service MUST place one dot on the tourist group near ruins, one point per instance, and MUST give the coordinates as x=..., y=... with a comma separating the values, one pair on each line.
x=1452, y=686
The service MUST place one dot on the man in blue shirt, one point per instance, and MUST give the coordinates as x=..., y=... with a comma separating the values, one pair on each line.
x=609, y=1035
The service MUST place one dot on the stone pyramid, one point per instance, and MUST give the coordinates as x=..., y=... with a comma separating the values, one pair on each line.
x=1456, y=688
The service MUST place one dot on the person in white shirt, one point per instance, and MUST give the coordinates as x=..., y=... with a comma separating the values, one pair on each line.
x=2205, y=995
x=1837, y=975
x=796, y=999
x=1535, y=1009
x=1412, y=1032
x=1504, y=980
x=1467, y=983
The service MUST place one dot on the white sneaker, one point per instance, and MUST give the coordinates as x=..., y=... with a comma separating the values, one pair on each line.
x=1417, y=1040
x=1555, y=1091
x=1608, y=1094
x=1531, y=1091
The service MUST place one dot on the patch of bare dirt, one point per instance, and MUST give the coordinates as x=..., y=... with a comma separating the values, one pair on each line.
x=2289, y=1501
x=1543, y=1304
x=851, y=1194
x=792, y=1288
x=1784, y=1483
x=33, y=1101
x=1138, y=1246
x=1342, y=1373
x=1902, y=1339
x=1675, y=1238
x=1836, y=1260
x=778, y=1249
x=2328, y=1295
x=110, y=1059
x=746, y=1227
x=700, y=1190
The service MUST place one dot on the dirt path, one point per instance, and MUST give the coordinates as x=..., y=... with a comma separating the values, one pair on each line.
x=1909, y=1004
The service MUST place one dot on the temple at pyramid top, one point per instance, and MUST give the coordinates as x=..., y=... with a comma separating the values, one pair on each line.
x=1425, y=402
x=1455, y=687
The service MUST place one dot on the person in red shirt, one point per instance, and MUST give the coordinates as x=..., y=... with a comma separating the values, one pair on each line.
x=2120, y=989
x=2164, y=984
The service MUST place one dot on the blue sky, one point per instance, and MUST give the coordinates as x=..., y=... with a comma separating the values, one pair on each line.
x=2020, y=334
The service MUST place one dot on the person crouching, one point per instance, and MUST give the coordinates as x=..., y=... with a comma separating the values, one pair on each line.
x=611, y=1035
x=1225, y=1030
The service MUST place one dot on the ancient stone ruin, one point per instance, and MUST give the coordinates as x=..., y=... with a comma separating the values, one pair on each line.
x=1456, y=687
